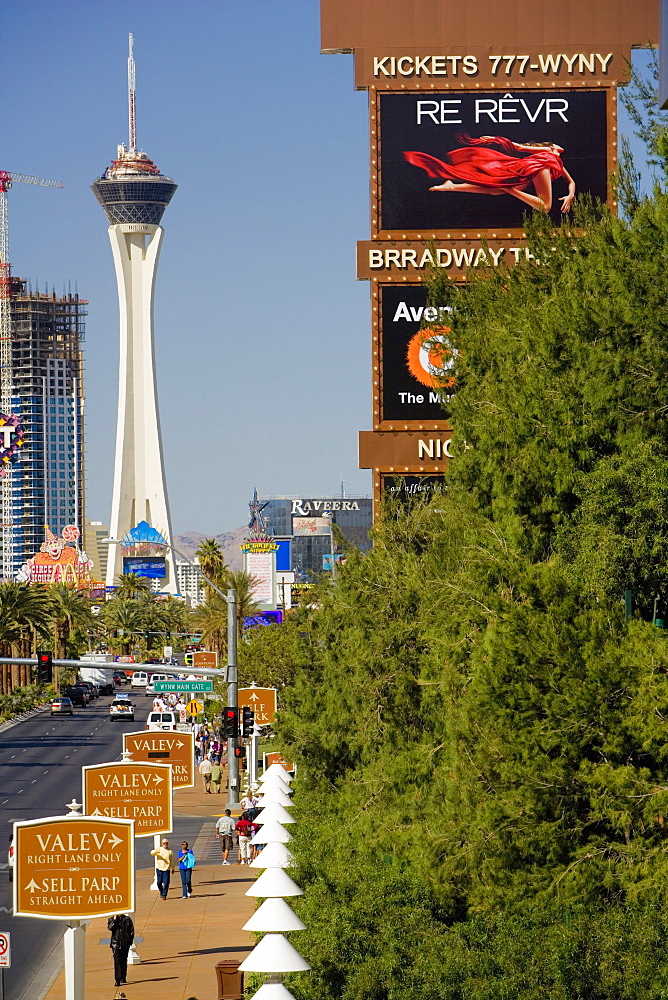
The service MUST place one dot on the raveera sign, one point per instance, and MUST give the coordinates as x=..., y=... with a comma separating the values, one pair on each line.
x=130, y=790
x=73, y=868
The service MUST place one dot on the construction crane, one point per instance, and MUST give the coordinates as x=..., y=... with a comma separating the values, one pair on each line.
x=7, y=178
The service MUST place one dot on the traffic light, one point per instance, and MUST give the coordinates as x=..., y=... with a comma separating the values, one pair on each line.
x=247, y=722
x=240, y=753
x=231, y=723
x=44, y=667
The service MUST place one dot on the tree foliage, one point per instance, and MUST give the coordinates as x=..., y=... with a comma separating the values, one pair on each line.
x=479, y=730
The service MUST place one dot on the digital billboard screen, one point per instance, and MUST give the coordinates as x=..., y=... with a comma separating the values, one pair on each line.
x=484, y=160
x=153, y=568
x=416, y=356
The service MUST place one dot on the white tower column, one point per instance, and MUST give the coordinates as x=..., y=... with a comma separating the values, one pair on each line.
x=139, y=492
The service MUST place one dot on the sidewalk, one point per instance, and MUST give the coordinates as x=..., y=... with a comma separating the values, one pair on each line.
x=179, y=940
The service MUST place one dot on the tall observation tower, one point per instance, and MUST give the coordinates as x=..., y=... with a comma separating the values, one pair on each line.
x=134, y=195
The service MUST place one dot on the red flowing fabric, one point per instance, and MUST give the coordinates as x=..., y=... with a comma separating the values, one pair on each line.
x=487, y=167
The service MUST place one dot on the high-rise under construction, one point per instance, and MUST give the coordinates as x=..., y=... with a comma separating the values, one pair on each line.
x=47, y=385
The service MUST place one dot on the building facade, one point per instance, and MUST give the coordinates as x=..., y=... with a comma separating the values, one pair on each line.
x=48, y=479
x=303, y=529
x=190, y=582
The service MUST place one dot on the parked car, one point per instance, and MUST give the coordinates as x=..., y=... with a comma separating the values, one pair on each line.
x=150, y=687
x=62, y=706
x=122, y=708
x=163, y=720
x=78, y=694
x=93, y=689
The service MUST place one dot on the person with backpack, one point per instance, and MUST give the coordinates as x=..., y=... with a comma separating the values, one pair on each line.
x=122, y=935
x=187, y=862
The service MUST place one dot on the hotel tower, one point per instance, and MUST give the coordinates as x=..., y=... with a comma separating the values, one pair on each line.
x=134, y=195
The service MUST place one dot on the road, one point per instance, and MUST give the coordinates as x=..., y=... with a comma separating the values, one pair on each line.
x=40, y=763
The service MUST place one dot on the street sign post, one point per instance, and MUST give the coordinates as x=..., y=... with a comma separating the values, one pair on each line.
x=276, y=758
x=261, y=700
x=73, y=867
x=206, y=659
x=177, y=749
x=130, y=790
x=197, y=687
x=194, y=707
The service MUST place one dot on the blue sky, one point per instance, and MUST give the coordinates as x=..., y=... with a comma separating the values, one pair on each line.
x=263, y=334
x=262, y=331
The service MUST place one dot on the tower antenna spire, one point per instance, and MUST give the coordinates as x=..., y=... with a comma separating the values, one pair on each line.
x=131, y=92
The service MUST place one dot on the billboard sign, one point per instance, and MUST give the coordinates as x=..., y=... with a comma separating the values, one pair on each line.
x=412, y=489
x=482, y=160
x=74, y=867
x=261, y=566
x=58, y=561
x=177, y=749
x=153, y=568
x=311, y=526
x=130, y=790
x=417, y=358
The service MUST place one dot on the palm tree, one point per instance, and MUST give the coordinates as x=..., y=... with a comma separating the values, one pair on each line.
x=71, y=611
x=211, y=618
x=25, y=613
x=247, y=606
x=212, y=561
x=126, y=618
x=131, y=585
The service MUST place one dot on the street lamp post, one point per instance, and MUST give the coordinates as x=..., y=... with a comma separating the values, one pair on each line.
x=232, y=680
x=232, y=697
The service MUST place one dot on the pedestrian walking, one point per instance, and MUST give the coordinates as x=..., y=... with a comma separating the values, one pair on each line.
x=224, y=832
x=216, y=775
x=244, y=830
x=249, y=804
x=205, y=770
x=164, y=866
x=186, y=860
x=122, y=935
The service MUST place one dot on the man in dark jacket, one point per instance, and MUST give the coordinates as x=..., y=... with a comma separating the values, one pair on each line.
x=122, y=935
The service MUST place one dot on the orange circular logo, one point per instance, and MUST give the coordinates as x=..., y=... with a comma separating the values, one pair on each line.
x=431, y=357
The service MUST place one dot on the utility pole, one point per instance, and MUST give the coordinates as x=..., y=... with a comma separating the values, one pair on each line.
x=232, y=697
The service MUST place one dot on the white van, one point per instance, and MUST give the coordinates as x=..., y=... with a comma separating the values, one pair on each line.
x=139, y=679
x=167, y=721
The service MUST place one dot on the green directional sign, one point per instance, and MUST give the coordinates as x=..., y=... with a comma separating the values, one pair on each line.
x=195, y=686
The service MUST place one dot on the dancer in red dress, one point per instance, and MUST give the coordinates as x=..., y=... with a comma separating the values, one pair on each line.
x=485, y=171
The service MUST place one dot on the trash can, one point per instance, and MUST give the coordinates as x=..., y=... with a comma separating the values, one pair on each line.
x=230, y=980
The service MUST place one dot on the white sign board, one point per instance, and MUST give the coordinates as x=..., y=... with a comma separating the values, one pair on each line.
x=5, y=950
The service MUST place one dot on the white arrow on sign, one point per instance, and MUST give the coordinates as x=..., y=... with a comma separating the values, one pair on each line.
x=33, y=886
x=253, y=697
x=114, y=840
x=157, y=779
x=96, y=812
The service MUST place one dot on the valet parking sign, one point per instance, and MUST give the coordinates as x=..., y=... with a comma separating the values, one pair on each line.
x=177, y=749
x=131, y=790
x=74, y=868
